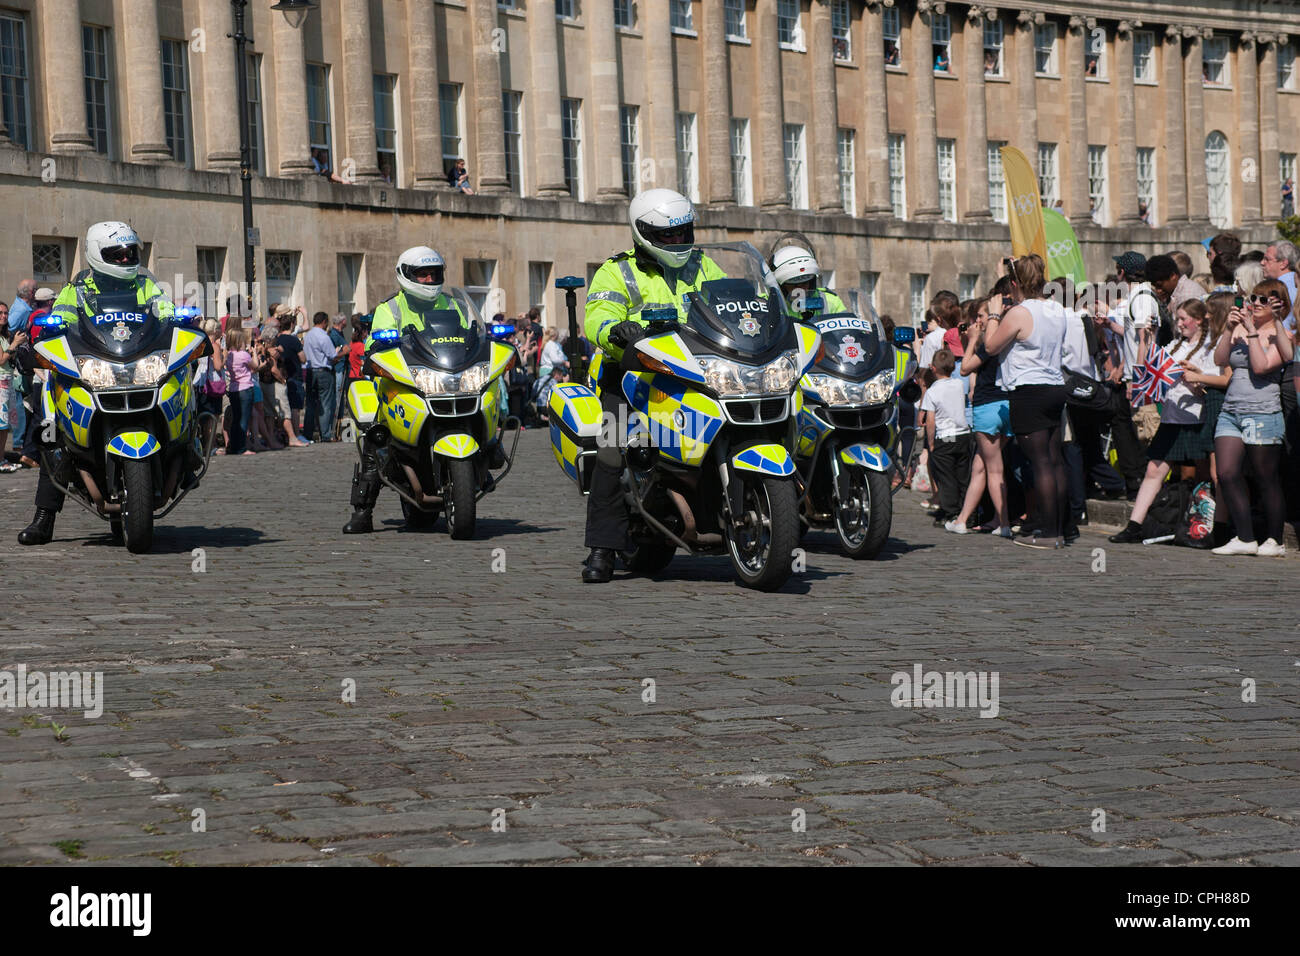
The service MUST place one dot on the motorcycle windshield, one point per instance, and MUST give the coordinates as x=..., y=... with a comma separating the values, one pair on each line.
x=743, y=313
x=121, y=334
x=854, y=339
x=452, y=338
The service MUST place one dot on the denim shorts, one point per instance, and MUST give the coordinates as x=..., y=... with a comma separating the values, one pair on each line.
x=1253, y=428
x=993, y=418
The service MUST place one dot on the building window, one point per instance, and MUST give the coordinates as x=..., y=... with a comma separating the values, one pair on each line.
x=571, y=138
x=967, y=284
x=735, y=11
x=281, y=276
x=1285, y=176
x=449, y=119
x=1214, y=61
x=890, y=25
x=622, y=13
x=480, y=278
x=1094, y=54
x=940, y=41
x=993, y=38
x=841, y=39
x=1047, y=175
x=897, y=176
x=506, y=5
x=788, y=31
x=349, y=275
x=1097, y=184
x=566, y=9
x=1217, y=179
x=539, y=281
x=742, y=181
x=386, y=127
x=630, y=141
x=211, y=263
x=680, y=11
x=868, y=281
x=256, y=143
x=94, y=50
x=48, y=260
x=14, y=90
x=512, y=121
x=318, y=115
x=916, y=297
x=848, y=171
x=176, y=99
x=688, y=171
x=796, y=178
x=1146, y=183
x=1045, y=49
x=1285, y=67
x=1144, y=65
x=997, y=182
x=947, y=149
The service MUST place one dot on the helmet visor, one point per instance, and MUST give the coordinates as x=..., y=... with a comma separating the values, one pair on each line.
x=674, y=238
x=121, y=255
x=425, y=275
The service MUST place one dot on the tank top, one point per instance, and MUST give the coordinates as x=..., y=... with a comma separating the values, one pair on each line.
x=1248, y=392
x=1037, y=359
x=986, y=378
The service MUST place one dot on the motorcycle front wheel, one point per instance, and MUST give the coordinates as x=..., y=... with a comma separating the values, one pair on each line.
x=459, y=499
x=864, y=515
x=763, y=539
x=137, y=504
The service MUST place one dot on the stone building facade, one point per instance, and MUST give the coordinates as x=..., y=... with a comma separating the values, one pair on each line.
x=870, y=126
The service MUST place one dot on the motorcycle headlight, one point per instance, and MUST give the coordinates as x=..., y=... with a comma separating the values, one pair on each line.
x=474, y=378
x=880, y=388
x=432, y=382
x=96, y=372
x=151, y=369
x=779, y=376
x=729, y=379
x=828, y=388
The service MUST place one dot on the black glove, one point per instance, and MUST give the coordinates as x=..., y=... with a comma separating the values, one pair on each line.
x=625, y=333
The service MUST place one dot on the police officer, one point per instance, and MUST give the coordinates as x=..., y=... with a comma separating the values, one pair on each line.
x=797, y=272
x=114, y=281
x=420, y=275
x=662, y=265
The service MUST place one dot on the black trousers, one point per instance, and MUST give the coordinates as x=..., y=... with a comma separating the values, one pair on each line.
x=1087, y=427
x=1130, y=455
x=606, y=508
x=950, y=464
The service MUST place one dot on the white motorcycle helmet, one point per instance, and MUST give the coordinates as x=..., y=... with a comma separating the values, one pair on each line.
x=421, y=260
x=794, y=264
x=113, y=249
x=663, y=224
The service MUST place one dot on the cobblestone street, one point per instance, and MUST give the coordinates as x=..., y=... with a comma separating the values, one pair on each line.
x=1120, y=693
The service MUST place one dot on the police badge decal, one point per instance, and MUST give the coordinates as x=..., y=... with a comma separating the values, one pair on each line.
x=748, y=324
x=121, y=332
x=850, y=352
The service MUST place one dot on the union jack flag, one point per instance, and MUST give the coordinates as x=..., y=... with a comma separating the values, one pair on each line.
x=1157, y=375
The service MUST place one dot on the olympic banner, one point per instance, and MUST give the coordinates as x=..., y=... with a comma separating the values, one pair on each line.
x=1064, y=257
x=1024, y=206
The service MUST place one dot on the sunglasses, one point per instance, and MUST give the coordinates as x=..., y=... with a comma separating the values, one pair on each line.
x=1263, y=300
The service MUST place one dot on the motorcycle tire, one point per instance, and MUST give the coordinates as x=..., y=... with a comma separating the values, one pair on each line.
x=651, y=557
x=460, y=503
x=766, y=564
x=419, y=520
x=137, y=504
x=859, y=539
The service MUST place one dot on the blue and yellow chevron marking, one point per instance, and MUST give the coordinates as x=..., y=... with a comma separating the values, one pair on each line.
x=868, y=456
x=175, y=400
x=575, y=416
x=60, y=354
x=184, y=344
x=404, y=410
x=363, y=401
x=593, y=371
x=811, y=430
x=672, y=351
x=133, y=445
x=810, y=341
x=764, y=459
x=681, y=422
x=74, y=408
x=491, y=404
x=455, y=446
x=394, y=363
x=901, y=358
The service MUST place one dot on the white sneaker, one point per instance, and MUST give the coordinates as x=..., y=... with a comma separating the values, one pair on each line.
x=1237, y=546
x=1271, y=549
x=956, y=527
x=1004, y=533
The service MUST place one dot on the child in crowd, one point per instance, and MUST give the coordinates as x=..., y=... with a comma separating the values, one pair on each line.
x=948, y=435
x=242, y=365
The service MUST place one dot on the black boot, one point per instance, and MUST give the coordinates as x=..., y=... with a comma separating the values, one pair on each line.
x=1132, y=534
x=365, y=490
x=599, y=566
x=41, y=530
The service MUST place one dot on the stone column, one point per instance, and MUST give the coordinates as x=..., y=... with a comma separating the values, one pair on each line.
x=1124, y=163
x=1174, y=172
x=358, y=93
x=824, y=116
x=602, y=59
x=146, y=132
x=768, y=142
x=547, y=147
x=659, y=97
x=65, y=94
x=926, y=140
x=1076, y=150
x=717, y=187
x=291, y=99
x=976, y=172
x=876, y=111
x=1026, y=87
x=422, y=97
x=1270, y=183
x=489, y=123
x=1247, y=84
x=1198, y=201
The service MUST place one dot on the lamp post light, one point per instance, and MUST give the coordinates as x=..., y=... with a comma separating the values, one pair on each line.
x=295, y=14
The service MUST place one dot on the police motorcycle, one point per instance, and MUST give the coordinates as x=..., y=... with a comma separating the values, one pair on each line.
x=713, y=396
x=847, y=429
x=121, y=396
x=433, y=403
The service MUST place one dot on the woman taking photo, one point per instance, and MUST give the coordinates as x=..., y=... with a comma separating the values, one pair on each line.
x=1256, y=347
x=1032, y=335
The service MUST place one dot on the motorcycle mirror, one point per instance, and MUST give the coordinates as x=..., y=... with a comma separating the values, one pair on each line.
x=904, y=335
x=659, y=315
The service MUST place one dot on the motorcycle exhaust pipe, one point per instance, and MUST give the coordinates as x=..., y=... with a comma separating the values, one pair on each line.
x=689, y=531
x=96, y=495
x=417, y=490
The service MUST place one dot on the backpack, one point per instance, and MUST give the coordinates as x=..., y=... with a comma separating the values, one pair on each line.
x=1196, y=527
x=1169, y=508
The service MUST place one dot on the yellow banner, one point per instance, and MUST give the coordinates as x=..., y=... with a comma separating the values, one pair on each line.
x=1024, y=205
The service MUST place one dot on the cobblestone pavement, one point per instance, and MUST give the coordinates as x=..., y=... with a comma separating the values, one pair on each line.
x=1121, y=691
